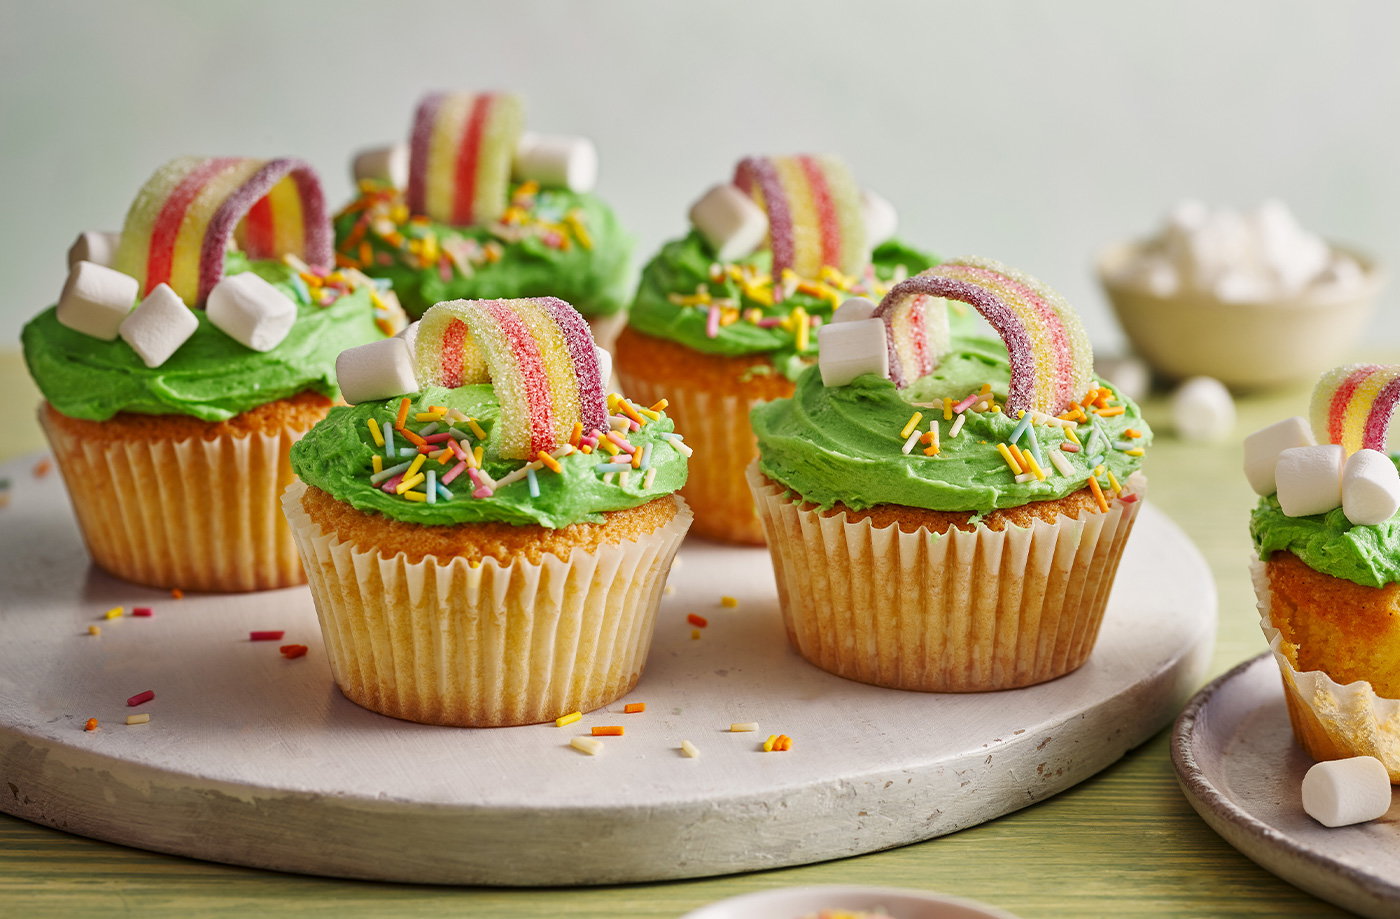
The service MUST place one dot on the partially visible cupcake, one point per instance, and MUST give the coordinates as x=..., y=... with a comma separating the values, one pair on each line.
x=947, y=513
x=490, y=548
x=1327, y=533
x=171, y=422
x=726, y=317
x=474, y=206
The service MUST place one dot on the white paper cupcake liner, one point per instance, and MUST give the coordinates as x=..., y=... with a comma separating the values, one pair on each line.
x=445, y=642
x=958, y=612
x=1330, y=720
x=194, y=514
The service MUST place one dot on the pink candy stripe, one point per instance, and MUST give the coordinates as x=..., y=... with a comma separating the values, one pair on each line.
x=424, y=121
x=593, y=400
x=453, y=338
x=468, y=156
x=826, y=210
x=1378, y=419
x=165, y=229
x=759, y=172
x=538, y=396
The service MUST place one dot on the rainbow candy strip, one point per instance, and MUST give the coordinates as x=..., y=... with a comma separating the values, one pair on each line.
x=190, y=210
x=537, y=354
x=813, y=207
x=1051, y=361
x=460, y=156
x=1353, y=405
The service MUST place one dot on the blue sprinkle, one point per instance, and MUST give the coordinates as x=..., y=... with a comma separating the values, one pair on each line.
x=1020, y=429
x=1096, y=461
x=533, y=483
x=645, y=464
x=408, y=451
x=389, y=439
x=1033, y=444
x=442, y=490
x=607, y=467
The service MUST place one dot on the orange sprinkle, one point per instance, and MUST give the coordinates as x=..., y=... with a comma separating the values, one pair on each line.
x=293, y=651
x=931, y=450
x=403, y=414
x=1098, y=494
x=412, y=438
x=696, y=620
x=626, y=408
x=1132, y=433
x=42, y=468
x=1020, y=457
x=549, y=461
x=366, y=253
x=177, y=593
x=1110, y=412
x=607, y=730
x=660, y=406
x=633, y=708
x=91, y=725
x=577, y=434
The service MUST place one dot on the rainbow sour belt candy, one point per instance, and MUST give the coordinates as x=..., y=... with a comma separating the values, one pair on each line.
x=537, y=354
x=460, y=155
x=1352, y=406
x=1051, y=361
x=185, y=216
x=814, y=214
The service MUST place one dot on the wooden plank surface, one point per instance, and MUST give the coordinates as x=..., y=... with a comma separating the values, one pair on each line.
x=1124, y=843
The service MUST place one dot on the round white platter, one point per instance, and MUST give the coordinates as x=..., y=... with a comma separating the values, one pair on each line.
x=253, y=759
x=1242, y=771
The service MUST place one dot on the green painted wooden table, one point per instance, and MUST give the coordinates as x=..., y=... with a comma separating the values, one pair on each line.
x=1125, y=843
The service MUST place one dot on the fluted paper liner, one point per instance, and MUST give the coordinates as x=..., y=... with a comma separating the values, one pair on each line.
x=717, y=427
x=194, y=514
x=1330, y=720
x=442, y=642
x=958, y=612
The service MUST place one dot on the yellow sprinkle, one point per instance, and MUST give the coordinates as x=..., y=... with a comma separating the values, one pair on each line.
x=429, y=416
x=1072, y=436
x=1113, y=482
x=911, y=424
x=1010, y=460
x=688, y=749
x=138, y=719
x=1136, y=451
x=743, y=727
x=694, y=634
x=94, y=630
x=729, y=602
x=565, y=720
x=800, y=327
x=654, y=416
x=588, y=745
x=947, y=409
x=408, y=483
x=375, y=432
x=415, y=496
x=477, y=454
x=377, y=463
x=768, y=744
x=476, y=429
x=1034, y=467
x=415, y=466
x=113, y=613
x=609, y=446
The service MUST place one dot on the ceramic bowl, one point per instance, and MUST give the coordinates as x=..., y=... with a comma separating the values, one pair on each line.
x=798, y=902
x=1246, y=345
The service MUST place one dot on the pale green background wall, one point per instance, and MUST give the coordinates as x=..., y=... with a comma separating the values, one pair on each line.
x=1031, y=132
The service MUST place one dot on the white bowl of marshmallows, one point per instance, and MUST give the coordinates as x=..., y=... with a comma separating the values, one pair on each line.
x=1249, y=298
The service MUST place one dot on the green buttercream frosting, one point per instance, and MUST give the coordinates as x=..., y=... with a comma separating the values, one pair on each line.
x=211, y=376
x=545, y=254
x=683, y=266
x=843, y=444
x=1329, y=543
x=336, y=457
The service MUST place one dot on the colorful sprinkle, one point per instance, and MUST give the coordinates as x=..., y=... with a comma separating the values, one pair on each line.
x=565, y=720
x=141, y=697
x=291, y=652
x=138, y=719
x=266, y=636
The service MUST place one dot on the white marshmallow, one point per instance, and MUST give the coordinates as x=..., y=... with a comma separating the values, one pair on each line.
x=159, y=326
x=604, y=365
x=94, y=246
x=1261, y=450
x=1310, y=479
x=730, y=221
x=96, y=299
x=379, y=370
x=845, y=350
x=409, y=334
x=1128, y=375
x=856, y=309
x=382, y=164
x=1341, y=792
x=555, y=160
x=1203, y=410
x=881, y=219
x=251, y=311
x=1370, y=488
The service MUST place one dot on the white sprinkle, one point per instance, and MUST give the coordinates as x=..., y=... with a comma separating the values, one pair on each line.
x=137, y=719
x=624, y=477
x=957, y=426
x=649, y=477
x=1058, y=460
x=688, y=749
x=587, y=745
x=909, y=444
x=934, y=429
x=1025, y=477
x=743, y=727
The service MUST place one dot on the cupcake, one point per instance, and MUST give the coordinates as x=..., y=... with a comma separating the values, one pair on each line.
x=473, y=206
x=171, y=421
x=1327, y=577
x=946, y=512
x=490, y=548
x=725, y=318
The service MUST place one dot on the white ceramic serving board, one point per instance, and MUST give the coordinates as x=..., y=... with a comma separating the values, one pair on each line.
x=1242, y=771
x=256, y=760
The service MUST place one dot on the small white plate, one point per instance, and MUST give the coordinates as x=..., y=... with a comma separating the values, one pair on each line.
x=1240, y=768
x=798, y=902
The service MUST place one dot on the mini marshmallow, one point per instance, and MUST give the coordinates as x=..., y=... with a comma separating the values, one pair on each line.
x=1370, y=488
x=604, y=365
x=1341, y=792
x=159, y=326
x=845, y=350
x=94, y=246
x=555, y=160
x=881, y=219
x=856, y=309
x=382, y=164
x=1128, y=375
x=251, y=311
x=96, y=299
x=1261, y=450
x=1203, y=410
x=730, y=221
x=379, y=370
x=1310, y=479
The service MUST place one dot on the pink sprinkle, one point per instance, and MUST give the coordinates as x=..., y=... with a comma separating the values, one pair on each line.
x=452, y=473
x=457, y=450
x=964, y=404
x=482, y=492
x=1069, y=447
x=445, y=270
x=621, y=442
x=265, y=636
x=769, y=322
x=389, y=486
x=442, y=438
x=591, y=440
x=712, y=323
x=141, y=611
x=140, y=697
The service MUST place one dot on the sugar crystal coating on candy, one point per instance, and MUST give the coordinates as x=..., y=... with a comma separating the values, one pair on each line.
x=461, y=150
x=1049, y=353
x=814, y=211
x=537, y=353
x=192, y=209
x=1352, y=405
